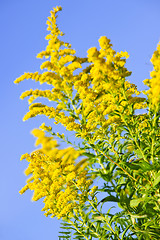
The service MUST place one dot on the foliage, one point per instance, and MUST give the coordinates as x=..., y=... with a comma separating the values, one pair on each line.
x=93, y=98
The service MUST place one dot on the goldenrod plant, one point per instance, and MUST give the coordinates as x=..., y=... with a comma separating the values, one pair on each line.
x=116, y=152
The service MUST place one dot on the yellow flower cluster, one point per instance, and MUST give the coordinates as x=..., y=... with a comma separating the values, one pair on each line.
x=105, y=90
x=40, y=109
x=87, y=99
x=154, y=82
x=60, y=74
x=55, y=177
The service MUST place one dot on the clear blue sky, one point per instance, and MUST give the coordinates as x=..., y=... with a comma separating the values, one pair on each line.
x=131, y=25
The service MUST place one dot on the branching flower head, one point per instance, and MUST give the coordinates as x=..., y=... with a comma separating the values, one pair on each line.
x=55, y=177
x=86, y=100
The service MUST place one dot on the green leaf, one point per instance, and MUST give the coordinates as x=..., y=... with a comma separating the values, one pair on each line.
x=87, y=154
x=106, y=227
x=123, y=234
x=138, y=152
x=97, y=217
x=65, y=232
x=109, y=199
x=64, y=237
x=157, y=179
x=146, y=166
x=132, y=165
x=94, y=235
x=135, y=202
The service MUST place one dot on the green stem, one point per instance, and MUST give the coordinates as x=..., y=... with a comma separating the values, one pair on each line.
x=78, y=229
x=90, y=229
x=117, y=165
x=104, y=219
x=153, y=137
x=102, y=166
x=99, y=214
x=130, y=130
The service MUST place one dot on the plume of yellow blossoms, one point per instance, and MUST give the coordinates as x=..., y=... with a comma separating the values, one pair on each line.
x=55, y=177
x=93, y=97
x=85, y=100
x=154, y=82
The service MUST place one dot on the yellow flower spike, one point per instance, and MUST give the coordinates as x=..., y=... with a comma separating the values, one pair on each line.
x=92, y=54
x=93, y=190
x=24, y=189
x=26, y=76
x=45, y=128
x=104, y=42
x=70, y=176
x=54, y=177
x=154, y=82
x=25, y=156
x=57, y=9
x=73, y=66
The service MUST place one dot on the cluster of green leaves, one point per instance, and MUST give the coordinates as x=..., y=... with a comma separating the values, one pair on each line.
x=128, y=159
x=91, y=223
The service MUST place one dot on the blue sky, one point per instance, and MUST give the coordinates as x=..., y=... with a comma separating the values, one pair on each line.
x=132, y=26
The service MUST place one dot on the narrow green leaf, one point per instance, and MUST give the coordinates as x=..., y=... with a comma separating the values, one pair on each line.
x=135, y=202
x=146, y=166
x=123, y=234
x=138, y=152
x=137, y=216
x=65, y=232
x=109, y=199
x=64, y=237
x=157, y=179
